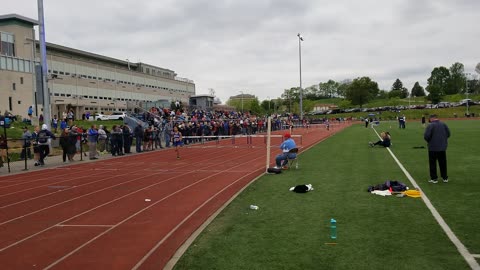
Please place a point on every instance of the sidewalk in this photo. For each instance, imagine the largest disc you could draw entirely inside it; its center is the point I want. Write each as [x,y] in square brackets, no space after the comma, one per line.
[18,166]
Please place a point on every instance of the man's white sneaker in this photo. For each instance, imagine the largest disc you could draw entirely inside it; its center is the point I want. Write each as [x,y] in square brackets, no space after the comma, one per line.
[445,180]
[433,181]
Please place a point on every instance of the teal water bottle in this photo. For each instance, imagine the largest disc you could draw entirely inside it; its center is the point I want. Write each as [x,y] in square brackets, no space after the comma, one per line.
[333,228]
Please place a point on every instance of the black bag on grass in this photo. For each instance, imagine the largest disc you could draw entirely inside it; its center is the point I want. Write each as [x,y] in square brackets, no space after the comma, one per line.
[274,170]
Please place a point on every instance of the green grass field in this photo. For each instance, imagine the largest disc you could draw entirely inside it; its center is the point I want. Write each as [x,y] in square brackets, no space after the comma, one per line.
[291,231]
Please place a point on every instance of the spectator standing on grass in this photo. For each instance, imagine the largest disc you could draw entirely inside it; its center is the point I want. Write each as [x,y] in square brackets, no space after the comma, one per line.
[30,112]
[366,122]
[138,133]
[127,139]
[64,144]
[3,150]
[288,144]
[168,132]
[36,151]
[116,141]
[92,142]
[55,124]
[72,143]
[63,124]
[26,143]
[423,120]
[437,134]
[102,138]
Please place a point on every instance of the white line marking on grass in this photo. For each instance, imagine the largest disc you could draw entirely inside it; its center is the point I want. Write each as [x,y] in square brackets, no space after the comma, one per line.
[476,255]
[460,246]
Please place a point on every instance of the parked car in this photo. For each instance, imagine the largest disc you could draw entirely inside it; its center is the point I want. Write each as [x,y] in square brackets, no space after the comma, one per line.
[116,116]
[98,117]
[444,105]
[466,101]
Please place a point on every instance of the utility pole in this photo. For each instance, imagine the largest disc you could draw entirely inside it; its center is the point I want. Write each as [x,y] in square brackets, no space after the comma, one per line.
[300,39]
[43,58]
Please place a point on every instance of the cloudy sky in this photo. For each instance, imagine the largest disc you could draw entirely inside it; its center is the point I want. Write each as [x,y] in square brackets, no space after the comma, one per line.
[252,46]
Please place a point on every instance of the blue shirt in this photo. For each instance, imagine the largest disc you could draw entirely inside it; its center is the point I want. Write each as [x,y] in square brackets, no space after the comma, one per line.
[287,145]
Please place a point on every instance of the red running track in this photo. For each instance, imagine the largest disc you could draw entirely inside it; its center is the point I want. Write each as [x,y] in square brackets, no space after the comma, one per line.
[130,212]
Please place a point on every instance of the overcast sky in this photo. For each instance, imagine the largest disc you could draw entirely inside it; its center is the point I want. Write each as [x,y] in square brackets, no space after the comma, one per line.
[252,46]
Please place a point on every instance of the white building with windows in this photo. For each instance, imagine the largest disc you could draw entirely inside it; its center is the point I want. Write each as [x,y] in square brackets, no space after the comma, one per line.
[80,80]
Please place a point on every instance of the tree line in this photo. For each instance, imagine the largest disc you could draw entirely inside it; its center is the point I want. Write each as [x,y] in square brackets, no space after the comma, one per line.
[442,81]
[359,91]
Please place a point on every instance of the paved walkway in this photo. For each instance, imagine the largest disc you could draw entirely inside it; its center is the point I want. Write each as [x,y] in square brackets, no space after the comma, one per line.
[18,166]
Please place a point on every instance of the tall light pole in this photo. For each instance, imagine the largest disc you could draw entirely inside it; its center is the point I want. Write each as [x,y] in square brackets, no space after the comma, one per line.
[43,58]
[466,90]
[300,39]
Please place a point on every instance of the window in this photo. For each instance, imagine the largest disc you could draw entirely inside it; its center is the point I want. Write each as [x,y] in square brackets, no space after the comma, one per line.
[3,63]
[19,102]
[21,80]
[7,44]
[9,63]
[14,86]
[21,65]
[10,104]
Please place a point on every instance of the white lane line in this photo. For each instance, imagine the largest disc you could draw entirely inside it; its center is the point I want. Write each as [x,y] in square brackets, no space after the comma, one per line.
[134,215]
[460,246]
[183,248]
[90,210]
[81,196]
[149,253]
[86,225]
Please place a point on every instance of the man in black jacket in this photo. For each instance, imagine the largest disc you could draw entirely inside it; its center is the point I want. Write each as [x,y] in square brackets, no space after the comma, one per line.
[43,144]
[138,133]
[437,134]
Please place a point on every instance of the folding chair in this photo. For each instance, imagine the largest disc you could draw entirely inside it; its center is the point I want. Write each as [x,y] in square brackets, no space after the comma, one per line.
[292,161]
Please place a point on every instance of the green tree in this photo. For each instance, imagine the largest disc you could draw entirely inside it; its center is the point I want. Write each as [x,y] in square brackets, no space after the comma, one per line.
[311,92]
[329,89]
[382,94]
[290,97]
[361,90]
[417,90]
[435,93]
[404,93]
[397,85]
[398,91]
[236,103]
[268,105]
[254,106]
[342,88]
[456,80]
[437,84]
